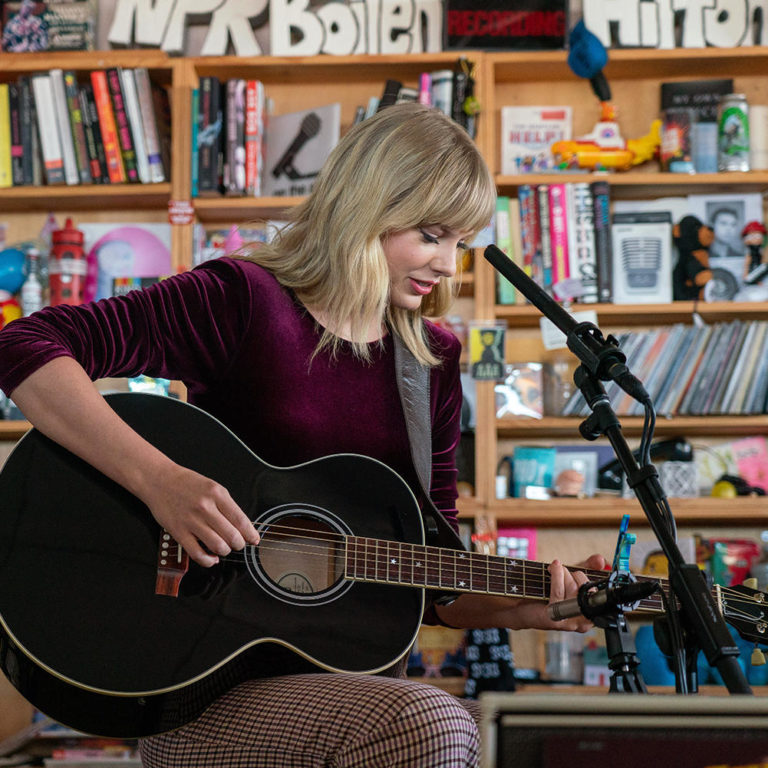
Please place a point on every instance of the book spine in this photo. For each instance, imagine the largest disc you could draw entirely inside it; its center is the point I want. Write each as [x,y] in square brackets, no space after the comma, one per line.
[149,125]
[558,229]
[72,93]
[460,81]
[195,129]
[209,136]
[234,168]
[17,147]
[108,127]
[53,162]
[96,171]
[441,91]
[528,224]
[161,103]
[603,241]
[584,265]
[544,226]
[389,94]
[64,127]
[99,157]
[6,170]
[505,293]
[29,144]
[124,137]
[254,136]
[131,100]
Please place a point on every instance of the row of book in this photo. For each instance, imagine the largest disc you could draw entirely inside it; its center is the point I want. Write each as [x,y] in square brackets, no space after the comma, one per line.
[560,235]
[241,149]
[696,370]
[111,127]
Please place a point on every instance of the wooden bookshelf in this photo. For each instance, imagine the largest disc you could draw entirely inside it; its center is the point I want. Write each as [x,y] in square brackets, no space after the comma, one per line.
[504,78]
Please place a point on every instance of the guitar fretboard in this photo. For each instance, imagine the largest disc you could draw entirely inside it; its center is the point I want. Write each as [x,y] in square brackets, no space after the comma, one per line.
[393,562]
[418,565]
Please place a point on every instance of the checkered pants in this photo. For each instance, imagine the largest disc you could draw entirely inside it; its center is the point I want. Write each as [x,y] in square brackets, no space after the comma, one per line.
[324,721]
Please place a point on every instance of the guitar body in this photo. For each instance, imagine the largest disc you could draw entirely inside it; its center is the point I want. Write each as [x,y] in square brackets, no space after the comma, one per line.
[86,639]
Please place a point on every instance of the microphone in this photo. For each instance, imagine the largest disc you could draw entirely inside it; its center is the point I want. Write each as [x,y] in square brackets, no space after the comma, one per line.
[591,604]
[602,357]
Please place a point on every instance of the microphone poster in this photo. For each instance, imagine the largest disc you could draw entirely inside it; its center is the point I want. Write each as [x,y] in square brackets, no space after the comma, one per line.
[297,144]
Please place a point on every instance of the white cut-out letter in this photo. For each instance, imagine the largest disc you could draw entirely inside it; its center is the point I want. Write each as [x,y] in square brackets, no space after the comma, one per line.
[725,25]
[342,31]
[173,42]
[396,33]
[598,15]
[233,19]
[286,16]
[151,20]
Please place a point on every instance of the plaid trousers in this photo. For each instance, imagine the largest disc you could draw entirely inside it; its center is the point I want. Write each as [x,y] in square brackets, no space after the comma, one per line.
[324,720]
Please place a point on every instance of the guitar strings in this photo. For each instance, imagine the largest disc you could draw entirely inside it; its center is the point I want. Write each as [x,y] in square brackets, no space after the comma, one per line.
[492,570]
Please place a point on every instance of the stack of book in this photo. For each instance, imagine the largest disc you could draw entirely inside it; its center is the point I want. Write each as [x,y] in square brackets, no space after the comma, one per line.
[108,127]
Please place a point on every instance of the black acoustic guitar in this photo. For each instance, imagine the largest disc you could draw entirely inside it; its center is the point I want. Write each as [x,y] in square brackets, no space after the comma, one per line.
[106,626]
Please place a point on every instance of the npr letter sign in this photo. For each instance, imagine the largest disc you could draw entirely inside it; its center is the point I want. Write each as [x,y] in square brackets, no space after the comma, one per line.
[339,27]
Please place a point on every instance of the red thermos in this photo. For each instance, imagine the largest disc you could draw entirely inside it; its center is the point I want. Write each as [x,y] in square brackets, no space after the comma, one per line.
[67,266]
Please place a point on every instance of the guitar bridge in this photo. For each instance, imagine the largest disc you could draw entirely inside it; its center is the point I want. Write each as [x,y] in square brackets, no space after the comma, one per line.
[172,564]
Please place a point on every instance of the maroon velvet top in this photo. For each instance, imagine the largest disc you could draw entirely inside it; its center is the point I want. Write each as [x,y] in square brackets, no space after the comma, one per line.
[242,344]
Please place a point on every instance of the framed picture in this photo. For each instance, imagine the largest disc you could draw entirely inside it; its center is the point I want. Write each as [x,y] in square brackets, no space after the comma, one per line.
[727,215]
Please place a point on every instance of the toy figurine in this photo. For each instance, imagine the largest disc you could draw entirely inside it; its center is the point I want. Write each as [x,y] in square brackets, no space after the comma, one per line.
[755,287]
[692,272]
[753,236]
[603,147]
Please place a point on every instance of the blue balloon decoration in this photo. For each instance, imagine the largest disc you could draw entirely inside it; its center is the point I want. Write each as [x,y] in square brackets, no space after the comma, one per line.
[587,57]
[12,262]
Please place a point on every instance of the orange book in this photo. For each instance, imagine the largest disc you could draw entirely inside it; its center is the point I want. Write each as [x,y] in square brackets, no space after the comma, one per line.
[108,127]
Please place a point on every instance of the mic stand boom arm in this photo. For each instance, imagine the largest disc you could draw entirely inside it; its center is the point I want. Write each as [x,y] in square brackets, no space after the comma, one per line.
[602,360]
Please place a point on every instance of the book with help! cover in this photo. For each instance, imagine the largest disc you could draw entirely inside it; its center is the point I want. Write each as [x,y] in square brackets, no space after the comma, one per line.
[296,146]
[527,133]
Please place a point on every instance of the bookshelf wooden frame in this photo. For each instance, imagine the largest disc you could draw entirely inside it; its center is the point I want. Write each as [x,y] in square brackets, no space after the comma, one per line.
[543,77]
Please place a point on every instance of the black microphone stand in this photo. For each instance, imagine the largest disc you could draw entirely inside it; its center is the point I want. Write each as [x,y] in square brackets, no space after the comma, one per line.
[602,360]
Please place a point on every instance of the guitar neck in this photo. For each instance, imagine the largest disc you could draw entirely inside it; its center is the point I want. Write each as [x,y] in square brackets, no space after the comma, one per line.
[418,565]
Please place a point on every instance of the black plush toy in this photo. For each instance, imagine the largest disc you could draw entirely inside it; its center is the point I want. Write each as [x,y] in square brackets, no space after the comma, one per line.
[691,273]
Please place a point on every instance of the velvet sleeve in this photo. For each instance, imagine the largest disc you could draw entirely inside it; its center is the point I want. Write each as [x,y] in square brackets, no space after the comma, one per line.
[186,327]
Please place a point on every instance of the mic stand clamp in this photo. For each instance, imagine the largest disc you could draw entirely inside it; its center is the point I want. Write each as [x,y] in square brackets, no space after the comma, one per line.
[622,653]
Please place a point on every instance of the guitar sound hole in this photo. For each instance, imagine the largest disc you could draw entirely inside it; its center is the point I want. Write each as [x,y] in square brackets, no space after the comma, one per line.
[301,555]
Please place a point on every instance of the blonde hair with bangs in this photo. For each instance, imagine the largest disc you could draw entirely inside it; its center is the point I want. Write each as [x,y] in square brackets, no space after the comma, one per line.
[407,166]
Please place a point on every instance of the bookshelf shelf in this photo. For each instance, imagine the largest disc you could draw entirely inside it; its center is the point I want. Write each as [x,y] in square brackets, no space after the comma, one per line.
[219,210]
[632,64]
[632,425]
[85,197]
[646,184]
[522,316]
[84,61]
[607,511]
